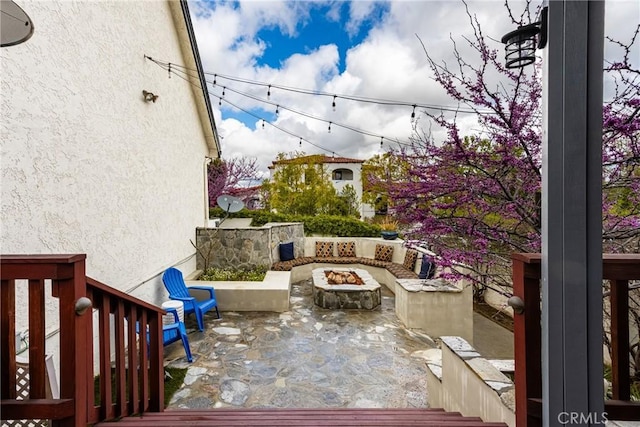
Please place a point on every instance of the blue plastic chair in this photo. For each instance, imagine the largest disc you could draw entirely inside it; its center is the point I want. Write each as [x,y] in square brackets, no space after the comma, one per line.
[173,332]
[178,290]
[176,331]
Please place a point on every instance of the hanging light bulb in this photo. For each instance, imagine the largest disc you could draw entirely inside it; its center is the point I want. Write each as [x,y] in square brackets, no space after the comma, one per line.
[329,127]
[277,110]
[269,92]
[300,141]
[219,101]
[262,123]
[169,69]
[215,78]
[413,113]
[381,140]
[223,89]
[333,105]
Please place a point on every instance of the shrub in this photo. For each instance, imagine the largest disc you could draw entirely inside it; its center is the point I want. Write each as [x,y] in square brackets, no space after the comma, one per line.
[224,274]
[330,225]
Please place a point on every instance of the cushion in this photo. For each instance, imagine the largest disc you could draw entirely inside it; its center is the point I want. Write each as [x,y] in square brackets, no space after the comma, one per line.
[410,259]
[286,251]
[428,268]
[383,252]
[324,249]
[347,249]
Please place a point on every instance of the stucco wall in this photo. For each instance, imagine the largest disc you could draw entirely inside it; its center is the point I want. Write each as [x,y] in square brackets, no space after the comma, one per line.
[87,165]
[366,210]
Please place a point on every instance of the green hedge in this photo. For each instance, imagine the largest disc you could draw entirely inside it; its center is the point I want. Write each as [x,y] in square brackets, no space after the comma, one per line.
[329,225]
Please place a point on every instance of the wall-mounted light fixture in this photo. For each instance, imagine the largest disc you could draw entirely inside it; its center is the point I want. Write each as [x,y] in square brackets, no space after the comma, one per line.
[520,49]
[149,97]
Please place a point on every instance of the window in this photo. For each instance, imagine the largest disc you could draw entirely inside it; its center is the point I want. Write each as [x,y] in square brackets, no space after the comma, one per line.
[342,175]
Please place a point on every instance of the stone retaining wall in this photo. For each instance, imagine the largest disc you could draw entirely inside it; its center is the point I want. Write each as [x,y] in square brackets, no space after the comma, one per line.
[246,247]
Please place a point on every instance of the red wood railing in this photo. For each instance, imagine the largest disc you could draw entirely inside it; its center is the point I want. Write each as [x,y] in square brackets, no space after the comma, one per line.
[131,376]
[618,270]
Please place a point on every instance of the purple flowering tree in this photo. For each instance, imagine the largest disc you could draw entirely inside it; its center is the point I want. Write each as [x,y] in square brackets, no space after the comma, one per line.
[224,175]
[474,196]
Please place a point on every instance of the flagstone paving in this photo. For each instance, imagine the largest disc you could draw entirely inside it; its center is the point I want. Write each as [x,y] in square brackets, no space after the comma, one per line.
[308,357]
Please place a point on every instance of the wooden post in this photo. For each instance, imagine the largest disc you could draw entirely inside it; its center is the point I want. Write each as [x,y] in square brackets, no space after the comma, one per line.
[8,333]
[620,340]
[527,338]
[74,383]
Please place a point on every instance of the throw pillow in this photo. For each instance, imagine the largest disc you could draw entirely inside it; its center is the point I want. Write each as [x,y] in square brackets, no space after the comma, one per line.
[428,268]
[410,259]
[347,249]
[383,252]
[324,249]
[286,251]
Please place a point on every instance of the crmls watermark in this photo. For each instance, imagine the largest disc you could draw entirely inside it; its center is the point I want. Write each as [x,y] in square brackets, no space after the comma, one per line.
[591,418]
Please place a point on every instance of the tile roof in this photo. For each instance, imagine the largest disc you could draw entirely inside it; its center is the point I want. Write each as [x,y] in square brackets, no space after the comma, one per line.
[319,158]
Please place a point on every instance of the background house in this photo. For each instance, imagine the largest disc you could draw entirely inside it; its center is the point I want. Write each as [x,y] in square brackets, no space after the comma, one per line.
[89,164]
[343,171]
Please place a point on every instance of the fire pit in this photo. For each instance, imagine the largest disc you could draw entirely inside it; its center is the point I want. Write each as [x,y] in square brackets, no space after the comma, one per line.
[343,278]
[345,288]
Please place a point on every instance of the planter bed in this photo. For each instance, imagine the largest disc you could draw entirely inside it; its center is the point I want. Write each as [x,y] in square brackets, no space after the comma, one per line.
[271,294]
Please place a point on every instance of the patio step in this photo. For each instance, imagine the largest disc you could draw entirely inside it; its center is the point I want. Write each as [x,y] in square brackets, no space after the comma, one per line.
[301,417]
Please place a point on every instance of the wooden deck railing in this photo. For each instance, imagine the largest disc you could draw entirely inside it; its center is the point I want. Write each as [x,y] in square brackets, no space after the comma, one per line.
[618,270]
[130,373]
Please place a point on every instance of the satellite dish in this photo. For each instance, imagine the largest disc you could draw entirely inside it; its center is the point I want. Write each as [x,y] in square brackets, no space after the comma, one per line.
[229,204]
[15,25]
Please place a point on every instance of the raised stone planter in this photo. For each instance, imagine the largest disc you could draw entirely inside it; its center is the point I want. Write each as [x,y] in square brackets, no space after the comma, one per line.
[336,297]
[272,294]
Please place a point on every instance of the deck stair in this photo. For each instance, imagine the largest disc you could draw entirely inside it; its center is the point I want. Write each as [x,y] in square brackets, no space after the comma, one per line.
[333,417]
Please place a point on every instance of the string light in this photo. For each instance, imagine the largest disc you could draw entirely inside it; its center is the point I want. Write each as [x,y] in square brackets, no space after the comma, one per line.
[381,140]
[223,89]
[300,141]
[186,78]
[348,97]
[413,113]
[333,105]
[215,78]
[277,110]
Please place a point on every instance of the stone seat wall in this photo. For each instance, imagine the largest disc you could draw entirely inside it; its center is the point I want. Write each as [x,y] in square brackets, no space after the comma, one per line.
[398,270]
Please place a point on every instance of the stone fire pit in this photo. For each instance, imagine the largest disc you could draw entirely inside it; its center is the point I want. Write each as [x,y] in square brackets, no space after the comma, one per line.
[366,296]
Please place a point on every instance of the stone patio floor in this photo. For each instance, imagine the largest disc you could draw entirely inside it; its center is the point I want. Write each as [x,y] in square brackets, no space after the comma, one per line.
[308,357]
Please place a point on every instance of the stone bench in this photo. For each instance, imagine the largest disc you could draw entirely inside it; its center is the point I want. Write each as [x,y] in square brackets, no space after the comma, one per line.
[399,271]
[361,254]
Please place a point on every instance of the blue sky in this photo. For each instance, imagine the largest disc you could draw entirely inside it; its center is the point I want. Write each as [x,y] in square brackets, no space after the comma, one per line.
[325,25]
[358,48]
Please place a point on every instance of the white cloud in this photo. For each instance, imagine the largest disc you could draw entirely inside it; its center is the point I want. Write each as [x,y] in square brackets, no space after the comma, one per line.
[390,63]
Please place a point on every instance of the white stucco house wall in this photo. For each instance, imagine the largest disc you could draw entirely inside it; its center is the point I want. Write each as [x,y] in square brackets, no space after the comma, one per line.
[88,164]
[343,171]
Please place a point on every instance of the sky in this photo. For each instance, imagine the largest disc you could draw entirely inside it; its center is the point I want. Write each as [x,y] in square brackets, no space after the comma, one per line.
[353,48]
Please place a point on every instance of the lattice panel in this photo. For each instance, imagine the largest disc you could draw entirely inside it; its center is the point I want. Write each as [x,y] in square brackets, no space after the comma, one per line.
[22,393]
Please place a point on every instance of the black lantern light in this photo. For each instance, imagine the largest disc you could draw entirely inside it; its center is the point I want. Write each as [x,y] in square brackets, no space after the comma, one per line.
[521,44]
